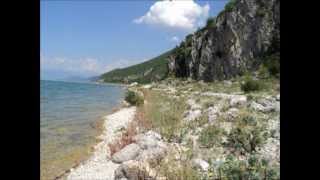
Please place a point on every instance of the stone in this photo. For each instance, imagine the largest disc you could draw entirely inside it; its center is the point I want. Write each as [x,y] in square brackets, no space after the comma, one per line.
[148,86]
[192,115]
[232,113]
[277,106]
[227,83]
[259,107]
[132,170]
[133,84]
[129,152]
[278,97]
[213,113]
[150,155]
[125,104]
[148,140]
[200,164]
[238,101]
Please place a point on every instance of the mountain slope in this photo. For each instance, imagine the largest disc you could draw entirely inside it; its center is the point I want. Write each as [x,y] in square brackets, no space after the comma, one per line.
[243,36]
[239,39]
[146,72]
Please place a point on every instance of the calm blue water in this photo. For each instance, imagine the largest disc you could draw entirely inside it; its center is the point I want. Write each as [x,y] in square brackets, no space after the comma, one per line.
[68,111]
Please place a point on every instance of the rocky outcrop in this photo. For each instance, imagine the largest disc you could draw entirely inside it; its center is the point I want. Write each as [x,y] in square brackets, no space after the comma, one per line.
[238,41]
[136,158]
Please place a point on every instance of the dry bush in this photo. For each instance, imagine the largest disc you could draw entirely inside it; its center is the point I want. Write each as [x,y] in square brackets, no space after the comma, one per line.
[141,119]
[125,139]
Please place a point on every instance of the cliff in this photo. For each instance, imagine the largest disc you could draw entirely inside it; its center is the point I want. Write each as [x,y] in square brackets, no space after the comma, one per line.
[239,39]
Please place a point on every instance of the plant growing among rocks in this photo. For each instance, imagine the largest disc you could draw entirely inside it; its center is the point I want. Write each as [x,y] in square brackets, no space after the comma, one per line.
[211,136]
[247,136]
[251,85]
[252,168]
[134,98]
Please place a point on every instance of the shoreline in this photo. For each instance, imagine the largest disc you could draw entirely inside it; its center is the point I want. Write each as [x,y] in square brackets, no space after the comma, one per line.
[119,116]
[99,126]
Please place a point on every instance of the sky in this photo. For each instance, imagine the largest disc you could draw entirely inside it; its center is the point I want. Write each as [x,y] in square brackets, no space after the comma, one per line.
[83,38]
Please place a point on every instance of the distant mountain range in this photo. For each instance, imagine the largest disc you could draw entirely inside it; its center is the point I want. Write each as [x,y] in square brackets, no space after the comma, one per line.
[76,79]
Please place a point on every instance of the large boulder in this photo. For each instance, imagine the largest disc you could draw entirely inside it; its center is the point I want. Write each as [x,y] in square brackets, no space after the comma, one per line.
[148,140]
[153,148]
[129,152]
[133,170]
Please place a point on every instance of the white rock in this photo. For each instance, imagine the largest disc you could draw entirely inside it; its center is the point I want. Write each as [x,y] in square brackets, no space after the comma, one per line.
[213,113]
[238,101]
[129,152]
[148,86]
[278,97]
[228,83]
[133,84]
[232,113]
[148,140]
[192,115]
[201,164]
[257,107]
[133,170]
[277,106]
[99,166]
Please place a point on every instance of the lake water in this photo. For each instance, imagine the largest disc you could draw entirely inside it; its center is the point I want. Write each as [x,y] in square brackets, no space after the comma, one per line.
[69,112]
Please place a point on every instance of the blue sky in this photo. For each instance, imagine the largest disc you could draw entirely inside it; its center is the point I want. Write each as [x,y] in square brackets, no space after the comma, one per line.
[87,38]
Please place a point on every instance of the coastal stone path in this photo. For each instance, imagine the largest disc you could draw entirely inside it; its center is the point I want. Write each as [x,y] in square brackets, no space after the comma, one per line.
[99,166]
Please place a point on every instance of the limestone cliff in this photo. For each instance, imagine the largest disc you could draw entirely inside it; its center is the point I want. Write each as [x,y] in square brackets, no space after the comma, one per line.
[235,41]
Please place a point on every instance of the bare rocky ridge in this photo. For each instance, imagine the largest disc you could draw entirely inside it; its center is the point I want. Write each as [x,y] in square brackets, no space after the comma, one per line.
[237,42]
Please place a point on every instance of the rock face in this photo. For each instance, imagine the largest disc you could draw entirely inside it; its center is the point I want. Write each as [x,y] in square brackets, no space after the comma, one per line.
[237,41]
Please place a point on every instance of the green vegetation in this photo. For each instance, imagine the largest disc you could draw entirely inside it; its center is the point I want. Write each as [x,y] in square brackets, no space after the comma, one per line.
[272,63]
[153,70]
[173,170]
[253,168]
[211,22]
[134,98]
[211,136]
[247,135]
[251,85]
[165,115]
[230,5]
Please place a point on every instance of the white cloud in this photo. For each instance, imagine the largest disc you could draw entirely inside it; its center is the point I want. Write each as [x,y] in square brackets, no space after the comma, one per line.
[175,39]
[177,14]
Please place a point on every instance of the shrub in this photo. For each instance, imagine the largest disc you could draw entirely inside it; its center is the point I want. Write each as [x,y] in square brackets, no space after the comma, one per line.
[251,85]
[247,135]
[211,22]
[134,98]
[263,72]
[272,63]
[253,168]
[230,5]
[125,139]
